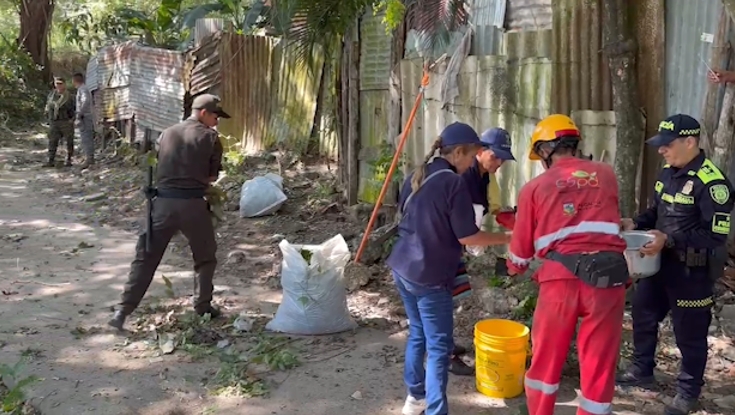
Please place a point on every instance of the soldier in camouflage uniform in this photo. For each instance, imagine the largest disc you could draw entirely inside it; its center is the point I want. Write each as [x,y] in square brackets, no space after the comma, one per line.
[60,108]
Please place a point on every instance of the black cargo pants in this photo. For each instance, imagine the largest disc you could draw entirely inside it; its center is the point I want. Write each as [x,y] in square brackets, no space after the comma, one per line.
[686,292]
[191,217]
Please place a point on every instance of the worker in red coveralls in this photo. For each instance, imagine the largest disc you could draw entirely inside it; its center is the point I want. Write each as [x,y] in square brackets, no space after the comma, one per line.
[569,217]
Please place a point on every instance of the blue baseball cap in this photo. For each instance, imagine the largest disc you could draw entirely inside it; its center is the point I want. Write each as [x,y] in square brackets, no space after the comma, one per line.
[459,133]
[676,126]
[498,140]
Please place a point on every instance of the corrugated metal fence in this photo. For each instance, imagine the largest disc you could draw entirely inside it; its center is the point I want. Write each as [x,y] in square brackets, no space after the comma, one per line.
[271,97]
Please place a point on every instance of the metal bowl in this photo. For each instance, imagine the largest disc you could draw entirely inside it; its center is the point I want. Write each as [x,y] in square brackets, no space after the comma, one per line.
[639,265]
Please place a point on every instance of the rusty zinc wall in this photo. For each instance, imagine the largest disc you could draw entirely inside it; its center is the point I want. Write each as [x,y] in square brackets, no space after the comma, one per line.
[113,71]
[239,70]
[270,96]
[157,90]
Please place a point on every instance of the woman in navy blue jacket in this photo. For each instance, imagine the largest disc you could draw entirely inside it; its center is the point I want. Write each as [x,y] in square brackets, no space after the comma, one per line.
[438,219]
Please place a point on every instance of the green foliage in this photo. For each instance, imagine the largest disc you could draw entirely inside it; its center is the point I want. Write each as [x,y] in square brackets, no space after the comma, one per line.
[381,164]
[13,398]
[394,11]
[22,92]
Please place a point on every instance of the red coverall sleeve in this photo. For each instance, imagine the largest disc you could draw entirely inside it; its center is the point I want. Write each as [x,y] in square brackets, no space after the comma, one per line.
[522,250]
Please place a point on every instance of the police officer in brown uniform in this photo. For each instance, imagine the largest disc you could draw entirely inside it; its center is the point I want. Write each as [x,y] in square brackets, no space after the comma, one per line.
[189,160]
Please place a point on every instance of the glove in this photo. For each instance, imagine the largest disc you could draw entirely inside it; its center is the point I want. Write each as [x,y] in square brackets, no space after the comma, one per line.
[506,219]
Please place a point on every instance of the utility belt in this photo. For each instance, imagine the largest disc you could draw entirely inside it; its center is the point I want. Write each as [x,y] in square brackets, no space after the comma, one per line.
[599,269]
[713,259]
[176,193]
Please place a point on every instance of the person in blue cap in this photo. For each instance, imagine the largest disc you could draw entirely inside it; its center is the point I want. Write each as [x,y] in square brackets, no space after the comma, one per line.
[437,220]
[690,220]
[479,178]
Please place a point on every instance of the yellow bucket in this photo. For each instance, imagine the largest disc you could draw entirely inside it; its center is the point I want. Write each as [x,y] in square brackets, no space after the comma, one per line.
[501,348]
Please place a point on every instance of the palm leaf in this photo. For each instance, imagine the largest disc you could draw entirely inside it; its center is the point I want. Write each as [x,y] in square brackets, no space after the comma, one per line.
[436,19]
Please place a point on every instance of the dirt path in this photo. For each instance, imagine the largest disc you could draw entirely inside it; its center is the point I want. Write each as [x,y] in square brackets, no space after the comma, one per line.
[60,277]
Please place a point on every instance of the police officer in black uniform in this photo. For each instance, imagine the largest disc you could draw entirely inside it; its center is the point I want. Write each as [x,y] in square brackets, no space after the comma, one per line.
[690,219]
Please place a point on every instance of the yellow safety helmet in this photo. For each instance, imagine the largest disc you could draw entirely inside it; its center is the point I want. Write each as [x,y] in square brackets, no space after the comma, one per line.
[552,128]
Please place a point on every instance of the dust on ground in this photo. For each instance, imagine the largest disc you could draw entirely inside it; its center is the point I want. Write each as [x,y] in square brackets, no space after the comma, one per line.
[66,240]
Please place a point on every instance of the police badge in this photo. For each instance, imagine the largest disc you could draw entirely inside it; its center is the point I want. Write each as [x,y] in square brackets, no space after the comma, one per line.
[687,187]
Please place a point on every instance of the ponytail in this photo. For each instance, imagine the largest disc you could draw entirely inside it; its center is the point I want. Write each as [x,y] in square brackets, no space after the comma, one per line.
[420,172]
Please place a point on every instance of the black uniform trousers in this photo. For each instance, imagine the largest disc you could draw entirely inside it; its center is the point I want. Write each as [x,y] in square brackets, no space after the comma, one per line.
[687,293]
[192,218]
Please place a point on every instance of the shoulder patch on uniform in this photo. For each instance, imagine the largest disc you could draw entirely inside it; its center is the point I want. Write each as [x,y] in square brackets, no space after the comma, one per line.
[720,193]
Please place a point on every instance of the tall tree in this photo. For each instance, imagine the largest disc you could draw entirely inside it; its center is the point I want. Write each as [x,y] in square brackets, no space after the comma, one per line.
[35,24]
[620,49]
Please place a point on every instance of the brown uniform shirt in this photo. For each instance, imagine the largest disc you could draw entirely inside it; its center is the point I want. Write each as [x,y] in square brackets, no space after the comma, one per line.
[189,153]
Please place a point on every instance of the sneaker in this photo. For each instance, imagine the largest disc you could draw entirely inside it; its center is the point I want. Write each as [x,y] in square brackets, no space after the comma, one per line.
[413,406]
[680,406]
[458,367]
[631,378]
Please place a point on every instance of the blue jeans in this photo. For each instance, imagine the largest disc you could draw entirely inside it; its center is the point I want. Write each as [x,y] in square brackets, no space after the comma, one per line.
[429,312]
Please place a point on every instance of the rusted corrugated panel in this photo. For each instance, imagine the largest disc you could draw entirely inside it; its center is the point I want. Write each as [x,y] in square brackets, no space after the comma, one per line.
[247,88]
[687,23]
[295,90]
[206,27]
[207,66]
[91,78]
[528,14]
[157,88]
[494,92]
[113,69]
[487,17]
[375,47]
[581,73]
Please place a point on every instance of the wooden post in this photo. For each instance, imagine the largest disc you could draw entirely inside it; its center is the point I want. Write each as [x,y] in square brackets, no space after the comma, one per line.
[353,116]
[620,48]
[719,59]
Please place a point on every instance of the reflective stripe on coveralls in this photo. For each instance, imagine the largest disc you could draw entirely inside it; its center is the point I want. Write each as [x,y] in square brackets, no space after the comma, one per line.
[545,241]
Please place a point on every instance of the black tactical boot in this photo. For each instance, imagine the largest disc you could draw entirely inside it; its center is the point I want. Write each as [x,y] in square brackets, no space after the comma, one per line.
[118,320]
[631,378]
[680,406]
[459,367]
[49,163]
[459,350]
[211,310]
[68,162]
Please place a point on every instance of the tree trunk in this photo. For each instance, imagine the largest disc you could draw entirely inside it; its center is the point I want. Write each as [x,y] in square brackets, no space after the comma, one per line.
[720,59]
[722,144]
[35,24]
[353,118]
[620,48]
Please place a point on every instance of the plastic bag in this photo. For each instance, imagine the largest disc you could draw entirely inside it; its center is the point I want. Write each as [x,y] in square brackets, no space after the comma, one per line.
[262,195]
[477,250]
[314,295]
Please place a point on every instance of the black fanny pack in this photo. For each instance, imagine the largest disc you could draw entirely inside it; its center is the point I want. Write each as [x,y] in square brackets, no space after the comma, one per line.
[600,270]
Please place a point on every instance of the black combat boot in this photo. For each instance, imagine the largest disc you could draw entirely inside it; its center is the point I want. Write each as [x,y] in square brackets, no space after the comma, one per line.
[459,350]
[118,320]
[458,367]
[49,163]
[631,377]
[680,406]
[68,162]
[213,311]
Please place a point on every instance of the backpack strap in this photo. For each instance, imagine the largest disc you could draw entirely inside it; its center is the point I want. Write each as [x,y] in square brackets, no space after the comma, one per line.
[429,177]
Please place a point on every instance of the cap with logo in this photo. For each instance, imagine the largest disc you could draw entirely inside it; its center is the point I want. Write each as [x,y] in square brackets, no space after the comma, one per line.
[498,140]
[59,80]
[459,133]
[210,103]
[676,126]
